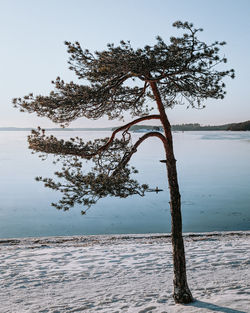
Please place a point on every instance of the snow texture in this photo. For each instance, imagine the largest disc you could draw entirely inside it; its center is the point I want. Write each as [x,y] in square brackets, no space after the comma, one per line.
[123,273]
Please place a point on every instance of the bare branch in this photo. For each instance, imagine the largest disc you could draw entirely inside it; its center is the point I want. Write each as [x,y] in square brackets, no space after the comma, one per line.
[126,158]
[126,127]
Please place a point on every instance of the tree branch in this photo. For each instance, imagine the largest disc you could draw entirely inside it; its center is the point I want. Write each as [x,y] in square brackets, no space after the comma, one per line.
[126,127]
[126,158]
[39,142]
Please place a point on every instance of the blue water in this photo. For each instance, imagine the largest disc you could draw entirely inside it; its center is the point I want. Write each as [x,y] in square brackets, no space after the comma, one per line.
[214,179]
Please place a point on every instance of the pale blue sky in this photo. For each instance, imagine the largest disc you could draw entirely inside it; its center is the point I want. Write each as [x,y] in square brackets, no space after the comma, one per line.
[32,51]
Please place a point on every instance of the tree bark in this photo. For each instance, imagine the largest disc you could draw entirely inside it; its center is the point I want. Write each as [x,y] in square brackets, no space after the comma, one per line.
[181,293]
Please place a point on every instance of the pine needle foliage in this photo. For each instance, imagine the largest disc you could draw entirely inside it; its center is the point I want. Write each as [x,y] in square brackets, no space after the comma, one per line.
[115,81]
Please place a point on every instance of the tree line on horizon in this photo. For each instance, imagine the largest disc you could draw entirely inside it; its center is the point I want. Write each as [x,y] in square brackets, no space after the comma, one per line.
[242,126]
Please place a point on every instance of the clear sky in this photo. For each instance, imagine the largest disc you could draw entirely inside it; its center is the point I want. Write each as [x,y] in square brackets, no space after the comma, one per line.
[32,52]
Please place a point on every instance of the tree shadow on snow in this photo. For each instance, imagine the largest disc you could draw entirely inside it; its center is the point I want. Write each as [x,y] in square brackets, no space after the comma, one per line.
[214,307]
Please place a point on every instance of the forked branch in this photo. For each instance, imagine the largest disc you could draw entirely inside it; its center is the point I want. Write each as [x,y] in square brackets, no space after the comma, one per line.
[127,156]
[126,128]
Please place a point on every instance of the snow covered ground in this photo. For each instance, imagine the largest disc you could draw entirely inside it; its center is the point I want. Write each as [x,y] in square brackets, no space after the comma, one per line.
[131,273]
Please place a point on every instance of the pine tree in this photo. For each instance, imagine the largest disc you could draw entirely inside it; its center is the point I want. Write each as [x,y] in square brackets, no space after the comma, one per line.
[117,80]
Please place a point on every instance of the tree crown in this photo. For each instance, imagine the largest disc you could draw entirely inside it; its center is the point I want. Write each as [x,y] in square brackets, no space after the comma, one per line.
[184,69]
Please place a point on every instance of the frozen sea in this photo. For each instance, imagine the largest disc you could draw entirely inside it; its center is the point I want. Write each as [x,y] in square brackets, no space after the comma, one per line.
[214,179]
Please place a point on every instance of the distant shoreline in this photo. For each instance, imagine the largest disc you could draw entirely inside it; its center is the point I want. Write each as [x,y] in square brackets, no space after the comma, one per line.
[243,126]
[54,129]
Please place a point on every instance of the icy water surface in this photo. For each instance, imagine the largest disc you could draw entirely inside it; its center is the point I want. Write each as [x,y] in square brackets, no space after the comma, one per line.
[214,178]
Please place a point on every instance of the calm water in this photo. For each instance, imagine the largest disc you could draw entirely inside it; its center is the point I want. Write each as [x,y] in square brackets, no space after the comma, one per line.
[214,178]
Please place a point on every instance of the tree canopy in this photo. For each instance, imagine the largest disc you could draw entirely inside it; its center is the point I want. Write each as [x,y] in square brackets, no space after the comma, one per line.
[117,80]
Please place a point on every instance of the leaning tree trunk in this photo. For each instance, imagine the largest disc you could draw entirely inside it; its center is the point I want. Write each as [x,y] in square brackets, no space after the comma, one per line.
[182,293]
